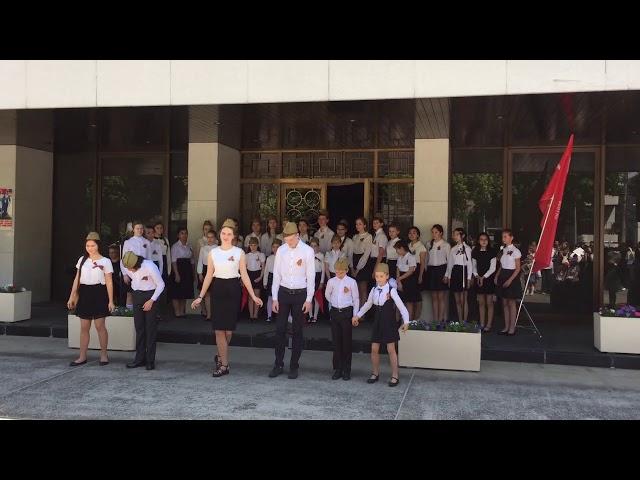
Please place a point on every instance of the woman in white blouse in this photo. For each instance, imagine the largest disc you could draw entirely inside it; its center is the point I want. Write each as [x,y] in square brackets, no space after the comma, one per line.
[201,268]
[437,260]
[460,272]
[271,233]
[92,297]
[228,265]
[181,286]
[380,240]
[419,251]
[364,257]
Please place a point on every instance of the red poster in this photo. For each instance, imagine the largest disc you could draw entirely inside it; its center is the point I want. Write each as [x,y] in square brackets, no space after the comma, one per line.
[6,208]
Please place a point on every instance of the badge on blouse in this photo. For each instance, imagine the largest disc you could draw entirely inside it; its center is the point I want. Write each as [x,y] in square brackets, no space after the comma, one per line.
[362,239]
[438,247]
[231,259]
[346,289]
[299,262]
[95,265]
[145,278]
[322,237]
[509,252]
[145,245]
[155,252]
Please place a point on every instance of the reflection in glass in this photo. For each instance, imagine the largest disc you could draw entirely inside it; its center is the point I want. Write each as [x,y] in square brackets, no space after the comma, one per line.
[569,277]
[622,227]
[178,186]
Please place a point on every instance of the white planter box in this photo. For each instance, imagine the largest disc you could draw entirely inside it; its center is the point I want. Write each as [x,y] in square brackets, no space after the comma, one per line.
[122,333]
[616,334]
[441,350]
[15,306]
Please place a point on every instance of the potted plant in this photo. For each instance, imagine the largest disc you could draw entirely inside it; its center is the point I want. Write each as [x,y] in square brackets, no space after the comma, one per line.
[122,331]
[15,303]
[617,330]
[445,346]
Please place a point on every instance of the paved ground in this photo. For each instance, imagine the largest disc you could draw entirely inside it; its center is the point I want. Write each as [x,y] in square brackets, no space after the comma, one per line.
[35,382]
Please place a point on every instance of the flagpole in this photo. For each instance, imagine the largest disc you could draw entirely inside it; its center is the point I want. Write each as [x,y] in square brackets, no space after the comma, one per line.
[544,225]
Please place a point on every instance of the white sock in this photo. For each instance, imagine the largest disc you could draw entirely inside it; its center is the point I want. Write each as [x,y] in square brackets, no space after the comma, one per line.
[269,306]
[316,307]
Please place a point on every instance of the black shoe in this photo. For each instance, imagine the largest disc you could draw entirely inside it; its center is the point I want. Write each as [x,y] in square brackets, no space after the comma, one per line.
[102,364]
[373,378]
[336,375]
[346,376]
[293,373]
[151,366]
[77,364]
[222,370]
[502,332]
[135,364]
[275,372]
[392,383]
[511,334]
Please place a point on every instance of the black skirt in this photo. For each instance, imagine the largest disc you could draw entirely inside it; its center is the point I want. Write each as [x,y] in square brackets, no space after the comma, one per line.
[488,286]
[364,275]
[253,274]
[435,274]
[184,289]
[226,296]
[204,275]
[458,278]
[93,302]
[393,264]
[318,278]
[513,291]
[410,292]
[385,327]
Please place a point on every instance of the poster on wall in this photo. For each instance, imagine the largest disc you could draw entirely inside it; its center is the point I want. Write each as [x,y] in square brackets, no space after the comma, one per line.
[6,208]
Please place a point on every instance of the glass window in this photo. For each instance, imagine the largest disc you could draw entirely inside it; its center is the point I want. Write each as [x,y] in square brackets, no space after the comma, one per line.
[178,188]
[476,192]
[622,226]
[395,204]
[258,200]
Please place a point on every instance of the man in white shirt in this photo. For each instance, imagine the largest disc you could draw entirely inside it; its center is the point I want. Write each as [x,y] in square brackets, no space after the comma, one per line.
[342,294]
[324,233]
[293,287]
[147,285]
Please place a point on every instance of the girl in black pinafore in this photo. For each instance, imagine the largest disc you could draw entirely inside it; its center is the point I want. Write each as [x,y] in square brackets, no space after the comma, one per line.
[484,270]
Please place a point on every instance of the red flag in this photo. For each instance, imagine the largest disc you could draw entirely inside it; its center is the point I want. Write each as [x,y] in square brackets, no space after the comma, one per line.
[319,298]
[245,298]
[550,204]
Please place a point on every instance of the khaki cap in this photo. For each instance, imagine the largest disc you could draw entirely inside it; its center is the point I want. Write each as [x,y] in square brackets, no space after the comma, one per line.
[228,223]
[382,267]
[341,264]
[289,229]
[93,236]
[129,260]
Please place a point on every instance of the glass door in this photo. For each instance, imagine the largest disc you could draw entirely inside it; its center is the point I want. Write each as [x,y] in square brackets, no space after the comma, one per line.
[567,285]
[131,188]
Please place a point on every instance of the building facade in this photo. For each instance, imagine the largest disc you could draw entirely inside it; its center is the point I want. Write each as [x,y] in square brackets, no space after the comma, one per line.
[92,145]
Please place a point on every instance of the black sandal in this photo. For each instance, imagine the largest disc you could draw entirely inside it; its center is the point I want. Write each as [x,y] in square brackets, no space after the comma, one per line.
[392,383]
[373,378]
[77,364]
[220,372]
[217,361]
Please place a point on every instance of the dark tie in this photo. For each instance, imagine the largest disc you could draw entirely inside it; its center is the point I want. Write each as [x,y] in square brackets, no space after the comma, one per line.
[379,293]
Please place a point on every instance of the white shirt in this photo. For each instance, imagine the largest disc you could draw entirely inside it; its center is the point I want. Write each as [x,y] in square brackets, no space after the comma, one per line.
[392,254]
[331,257]
[380,241]
[406,262]
[347,247]
[166,251]
[509,256]
[179,250]
[416,249]
[268,268]
[324,235]
[250,236]
[439,253]
[146,278]
[319,265]
[363,244]
[154,251]
[294,268]
[226,263]
[137,245]
[342,292]
[255,261]
[378,296]
[266,241]
[460,255]
[203,257]
[93,272]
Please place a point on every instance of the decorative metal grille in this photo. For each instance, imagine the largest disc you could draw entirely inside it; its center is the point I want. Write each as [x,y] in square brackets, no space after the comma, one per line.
[395,204]
[261,165]
[259,200]
[396,164]
[302,203]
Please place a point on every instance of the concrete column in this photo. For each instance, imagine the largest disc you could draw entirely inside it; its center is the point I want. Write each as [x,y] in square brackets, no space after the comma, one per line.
[26,166]
[431,194]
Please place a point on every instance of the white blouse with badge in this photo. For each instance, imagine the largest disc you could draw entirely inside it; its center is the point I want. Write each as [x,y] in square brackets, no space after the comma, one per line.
[363,245]
[392,254]
[93,272]
[226,263]
[380,241]
[439,253]
[416,249]
[509,256]
[406,262]
[255,261]
[180,250]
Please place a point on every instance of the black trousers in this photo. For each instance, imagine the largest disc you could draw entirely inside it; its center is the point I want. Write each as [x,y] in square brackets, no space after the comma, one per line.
[547,278]
[289,303]
[146,325]
[341,336]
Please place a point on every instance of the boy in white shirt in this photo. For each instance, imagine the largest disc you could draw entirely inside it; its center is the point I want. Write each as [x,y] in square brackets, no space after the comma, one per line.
[342,294]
